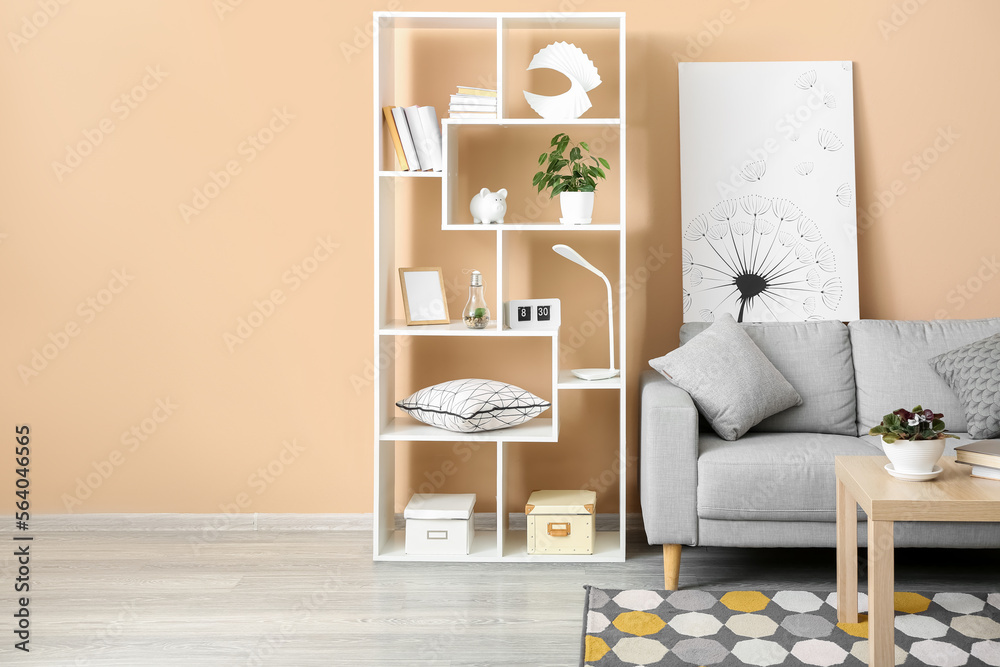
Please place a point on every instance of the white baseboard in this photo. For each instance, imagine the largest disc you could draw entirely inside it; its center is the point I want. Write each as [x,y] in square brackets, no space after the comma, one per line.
[71,523]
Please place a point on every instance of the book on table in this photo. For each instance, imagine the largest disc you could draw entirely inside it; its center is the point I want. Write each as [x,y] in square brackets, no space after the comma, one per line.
[980,453]
[985,472]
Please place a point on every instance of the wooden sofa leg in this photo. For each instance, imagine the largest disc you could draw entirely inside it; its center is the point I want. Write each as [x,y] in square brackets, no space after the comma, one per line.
[671,566]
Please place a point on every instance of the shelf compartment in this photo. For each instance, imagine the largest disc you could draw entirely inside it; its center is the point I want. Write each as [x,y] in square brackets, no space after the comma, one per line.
[407,429]
[569,381]
[458,328]
[416,64]
[484,548]
[608,547]
[478,155]
[601,38]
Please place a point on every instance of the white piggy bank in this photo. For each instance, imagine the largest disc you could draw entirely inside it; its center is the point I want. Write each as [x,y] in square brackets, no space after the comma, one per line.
[489,206]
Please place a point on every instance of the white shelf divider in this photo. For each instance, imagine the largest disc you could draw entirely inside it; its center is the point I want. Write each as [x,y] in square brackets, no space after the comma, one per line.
[458,328]
[407,429]
[484,548]
[608,546]
[569,381]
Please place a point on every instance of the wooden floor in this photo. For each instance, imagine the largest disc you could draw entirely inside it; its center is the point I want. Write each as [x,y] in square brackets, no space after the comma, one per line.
[316,598]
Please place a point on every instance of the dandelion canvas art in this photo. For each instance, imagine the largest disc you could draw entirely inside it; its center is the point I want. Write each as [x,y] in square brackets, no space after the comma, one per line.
[769,220]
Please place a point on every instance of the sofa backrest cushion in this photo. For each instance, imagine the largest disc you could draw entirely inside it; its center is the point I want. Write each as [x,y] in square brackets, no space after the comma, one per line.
[892,371]
[815,358]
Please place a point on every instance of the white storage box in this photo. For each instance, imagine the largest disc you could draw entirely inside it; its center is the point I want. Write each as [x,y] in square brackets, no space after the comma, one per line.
[439,523]
[561,522]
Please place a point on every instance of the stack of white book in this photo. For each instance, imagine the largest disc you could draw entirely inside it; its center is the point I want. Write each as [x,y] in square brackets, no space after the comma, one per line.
[416,136]
[983,456]
[473,103]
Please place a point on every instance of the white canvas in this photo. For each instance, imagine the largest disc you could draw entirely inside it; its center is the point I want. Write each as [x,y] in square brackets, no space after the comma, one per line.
[769,218]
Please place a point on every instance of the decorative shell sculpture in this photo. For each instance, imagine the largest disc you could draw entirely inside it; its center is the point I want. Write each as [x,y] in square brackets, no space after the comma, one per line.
[581,72]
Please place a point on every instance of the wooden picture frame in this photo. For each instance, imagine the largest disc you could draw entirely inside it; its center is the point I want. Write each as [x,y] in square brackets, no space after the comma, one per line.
[424,298]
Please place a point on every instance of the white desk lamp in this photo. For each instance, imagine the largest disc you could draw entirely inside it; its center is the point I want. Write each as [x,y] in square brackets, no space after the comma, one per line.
[594,373]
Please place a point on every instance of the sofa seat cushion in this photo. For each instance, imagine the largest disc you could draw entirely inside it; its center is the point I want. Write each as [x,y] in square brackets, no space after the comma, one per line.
[891,366]
[815,358]
[773,476]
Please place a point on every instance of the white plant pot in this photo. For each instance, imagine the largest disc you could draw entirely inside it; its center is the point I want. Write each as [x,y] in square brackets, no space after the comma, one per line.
[914,456]
[577,207]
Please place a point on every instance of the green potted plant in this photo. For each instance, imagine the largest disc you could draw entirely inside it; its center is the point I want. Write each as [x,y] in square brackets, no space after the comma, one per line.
[572,177]
[913,440]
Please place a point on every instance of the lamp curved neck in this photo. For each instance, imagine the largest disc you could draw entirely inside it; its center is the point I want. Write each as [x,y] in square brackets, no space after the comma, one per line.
[611,324]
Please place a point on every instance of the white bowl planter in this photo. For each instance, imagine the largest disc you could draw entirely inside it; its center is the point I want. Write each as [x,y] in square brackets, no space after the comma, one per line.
[914,456]
[577,207]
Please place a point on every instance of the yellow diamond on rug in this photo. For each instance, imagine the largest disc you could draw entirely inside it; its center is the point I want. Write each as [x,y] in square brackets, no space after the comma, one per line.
[859,629]
[745,601]
[596,648]
[910,603]
[639,623]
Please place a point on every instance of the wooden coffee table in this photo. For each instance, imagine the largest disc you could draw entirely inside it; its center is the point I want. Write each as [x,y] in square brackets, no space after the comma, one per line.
[862,480]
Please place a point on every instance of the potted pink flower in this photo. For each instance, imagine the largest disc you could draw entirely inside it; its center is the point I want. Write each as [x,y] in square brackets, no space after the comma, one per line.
[913,440]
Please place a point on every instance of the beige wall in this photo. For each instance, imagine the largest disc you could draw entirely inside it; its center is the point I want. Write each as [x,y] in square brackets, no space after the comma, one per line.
[162,95]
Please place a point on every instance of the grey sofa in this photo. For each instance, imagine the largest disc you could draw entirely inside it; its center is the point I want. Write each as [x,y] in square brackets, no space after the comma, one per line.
[775,486]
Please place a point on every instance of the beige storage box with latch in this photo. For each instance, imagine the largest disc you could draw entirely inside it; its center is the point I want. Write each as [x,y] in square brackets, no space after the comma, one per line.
[439,523]
[561,522]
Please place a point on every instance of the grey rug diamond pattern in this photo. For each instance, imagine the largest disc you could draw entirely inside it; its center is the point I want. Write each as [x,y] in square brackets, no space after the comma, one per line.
[644,627]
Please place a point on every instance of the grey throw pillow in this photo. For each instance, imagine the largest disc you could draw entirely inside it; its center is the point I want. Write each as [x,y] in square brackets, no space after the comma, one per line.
[729,378]
[973,372]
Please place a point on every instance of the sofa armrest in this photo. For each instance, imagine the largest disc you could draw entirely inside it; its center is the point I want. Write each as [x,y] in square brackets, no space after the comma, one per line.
[668,461]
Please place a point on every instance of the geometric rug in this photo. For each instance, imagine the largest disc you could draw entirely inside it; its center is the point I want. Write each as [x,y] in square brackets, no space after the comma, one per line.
[640,627]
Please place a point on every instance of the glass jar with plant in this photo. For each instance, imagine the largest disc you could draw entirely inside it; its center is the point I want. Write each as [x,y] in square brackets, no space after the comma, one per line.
[476,314]
[913,441]
[572,177]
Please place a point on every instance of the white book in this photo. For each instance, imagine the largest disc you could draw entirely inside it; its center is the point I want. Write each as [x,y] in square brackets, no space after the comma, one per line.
[431,127]
[472,107]
[405,138]
[468,115]
[474,99]
[420,141]
[987,472]
[483,92]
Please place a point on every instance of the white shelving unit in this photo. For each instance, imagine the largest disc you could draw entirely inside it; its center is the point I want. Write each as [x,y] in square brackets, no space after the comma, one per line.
[390,425]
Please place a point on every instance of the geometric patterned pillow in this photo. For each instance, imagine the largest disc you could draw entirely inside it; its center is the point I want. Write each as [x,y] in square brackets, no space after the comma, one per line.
[973,371]
[473,405]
